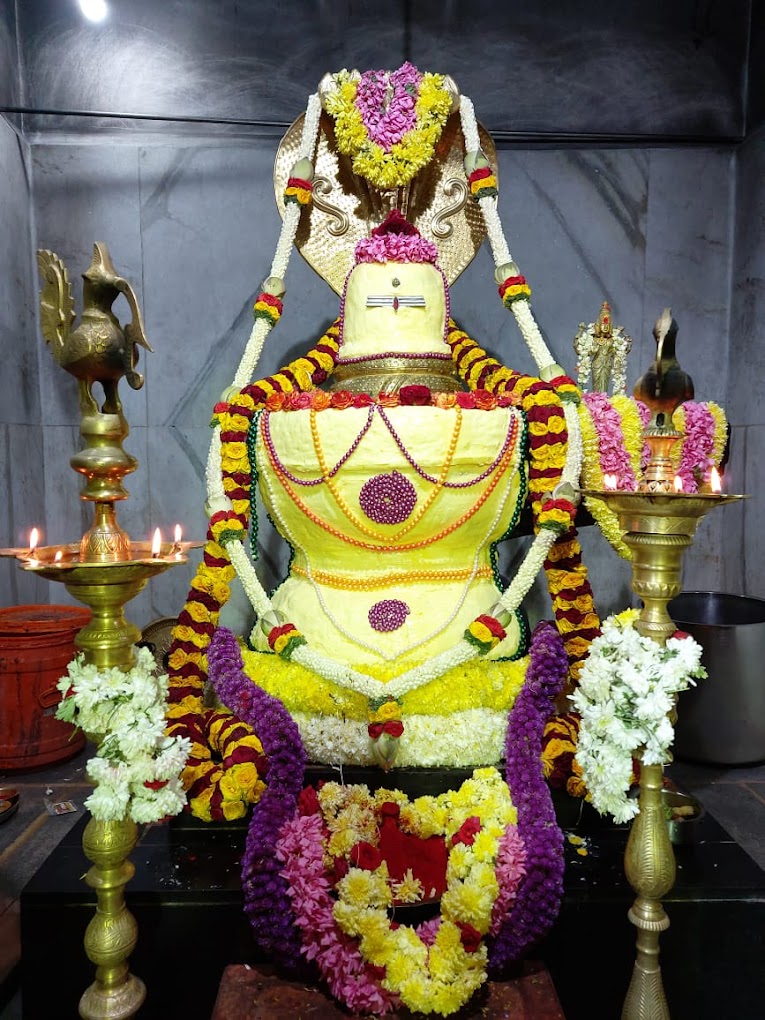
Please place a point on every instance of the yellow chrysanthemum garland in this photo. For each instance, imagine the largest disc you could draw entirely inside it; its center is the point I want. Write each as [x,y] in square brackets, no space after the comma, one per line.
[415,150]
[478,683]
[443,976]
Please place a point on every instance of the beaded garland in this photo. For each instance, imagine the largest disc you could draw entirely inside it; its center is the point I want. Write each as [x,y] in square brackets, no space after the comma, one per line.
[388,498]
[402,652]
[390,543]
[367,583]
[388,615]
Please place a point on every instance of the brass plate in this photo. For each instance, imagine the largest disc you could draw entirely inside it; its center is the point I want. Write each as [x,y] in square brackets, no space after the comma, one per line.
[157,636]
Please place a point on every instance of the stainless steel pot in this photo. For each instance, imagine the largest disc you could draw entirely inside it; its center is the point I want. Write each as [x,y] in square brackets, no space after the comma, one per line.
[722,720]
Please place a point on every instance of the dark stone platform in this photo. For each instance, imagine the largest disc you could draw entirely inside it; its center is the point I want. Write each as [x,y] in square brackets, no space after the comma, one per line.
[187,899]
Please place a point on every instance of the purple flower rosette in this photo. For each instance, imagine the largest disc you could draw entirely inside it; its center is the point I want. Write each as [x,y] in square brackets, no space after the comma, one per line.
[539,895]
[266,901]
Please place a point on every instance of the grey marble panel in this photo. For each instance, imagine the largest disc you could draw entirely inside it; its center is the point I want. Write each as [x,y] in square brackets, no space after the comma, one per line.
[176,474]
[755,109]
[647,67]
[753,549]
[21,508]
[747,401]
[575,224]
[9,67]
[687,257]
[19,390]
[637,68]
[734,518]
[209,228]
[84,194]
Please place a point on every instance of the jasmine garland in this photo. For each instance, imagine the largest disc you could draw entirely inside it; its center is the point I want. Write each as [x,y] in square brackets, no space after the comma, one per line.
[627,691]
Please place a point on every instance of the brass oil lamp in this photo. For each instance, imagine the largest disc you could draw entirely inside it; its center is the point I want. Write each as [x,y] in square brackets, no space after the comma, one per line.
[658,522]
[104,570]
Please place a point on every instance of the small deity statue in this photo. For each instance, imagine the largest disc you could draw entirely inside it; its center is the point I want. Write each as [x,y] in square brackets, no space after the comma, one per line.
[602,349]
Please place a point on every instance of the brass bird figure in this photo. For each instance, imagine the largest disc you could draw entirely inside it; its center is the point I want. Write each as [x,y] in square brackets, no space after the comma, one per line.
[665,385]
[99,349]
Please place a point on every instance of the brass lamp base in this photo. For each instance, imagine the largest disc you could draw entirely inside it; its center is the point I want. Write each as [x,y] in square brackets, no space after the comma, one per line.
[111,935]
[658,527]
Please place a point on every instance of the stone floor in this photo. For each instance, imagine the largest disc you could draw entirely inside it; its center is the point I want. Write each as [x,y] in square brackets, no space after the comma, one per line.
[734,797]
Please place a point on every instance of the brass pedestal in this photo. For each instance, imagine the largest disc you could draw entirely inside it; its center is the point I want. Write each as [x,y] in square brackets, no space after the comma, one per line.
[658,527]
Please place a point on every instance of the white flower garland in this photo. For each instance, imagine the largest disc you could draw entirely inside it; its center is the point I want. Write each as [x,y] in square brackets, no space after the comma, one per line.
[460,740]
[626,692]
[137,768]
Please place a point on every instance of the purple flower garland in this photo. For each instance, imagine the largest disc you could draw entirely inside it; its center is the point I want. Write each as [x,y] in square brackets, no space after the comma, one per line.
[266,901]
[538,899]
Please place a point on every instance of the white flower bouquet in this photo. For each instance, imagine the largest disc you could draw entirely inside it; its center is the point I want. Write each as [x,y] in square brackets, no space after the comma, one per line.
[137,766]
[626,693]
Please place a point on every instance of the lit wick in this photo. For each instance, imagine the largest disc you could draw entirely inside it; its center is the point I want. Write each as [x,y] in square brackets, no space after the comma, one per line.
[610,481]
[177,536]
[156,544]
[34,538]
[57,558]
[678,483]
[715,482]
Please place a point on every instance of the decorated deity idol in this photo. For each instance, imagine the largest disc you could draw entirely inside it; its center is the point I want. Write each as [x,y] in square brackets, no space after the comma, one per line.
[392,458]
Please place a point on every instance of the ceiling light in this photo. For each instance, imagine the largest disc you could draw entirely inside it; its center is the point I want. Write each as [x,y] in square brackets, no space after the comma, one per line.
[94,10]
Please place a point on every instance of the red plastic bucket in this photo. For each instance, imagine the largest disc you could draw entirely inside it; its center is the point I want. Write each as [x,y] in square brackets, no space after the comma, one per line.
[36,646]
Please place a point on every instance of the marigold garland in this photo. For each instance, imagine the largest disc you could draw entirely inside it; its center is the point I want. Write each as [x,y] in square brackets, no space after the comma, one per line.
[483,183]
[213,775]
[575,615]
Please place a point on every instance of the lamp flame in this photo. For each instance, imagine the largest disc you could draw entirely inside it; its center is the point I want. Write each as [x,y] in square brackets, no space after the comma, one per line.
[156,543]
[178,534]
[678,483]
[715,483]
[34,538]
[57,558]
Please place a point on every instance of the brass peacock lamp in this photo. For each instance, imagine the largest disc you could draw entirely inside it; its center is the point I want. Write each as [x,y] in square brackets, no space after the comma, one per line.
[658,523]
[104,570]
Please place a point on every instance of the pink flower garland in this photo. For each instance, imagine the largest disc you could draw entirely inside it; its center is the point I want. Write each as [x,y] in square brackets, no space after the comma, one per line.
[510,869]
[387,119]
[349,978]
[614,459]
[696,457]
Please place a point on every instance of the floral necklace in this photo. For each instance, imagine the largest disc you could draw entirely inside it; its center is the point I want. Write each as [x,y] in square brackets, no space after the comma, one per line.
[316,886]
[388,123]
